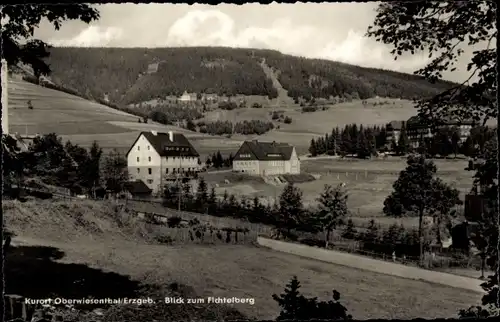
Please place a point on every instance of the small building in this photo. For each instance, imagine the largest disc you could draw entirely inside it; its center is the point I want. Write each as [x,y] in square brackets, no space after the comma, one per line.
[188,97]
[137,189]
[266,158]
[156,158]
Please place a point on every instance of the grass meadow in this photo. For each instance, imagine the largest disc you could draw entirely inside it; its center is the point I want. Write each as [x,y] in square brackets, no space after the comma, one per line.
[87,233]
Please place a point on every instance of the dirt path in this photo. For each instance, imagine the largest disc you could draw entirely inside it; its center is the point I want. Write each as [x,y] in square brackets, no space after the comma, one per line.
[373,265]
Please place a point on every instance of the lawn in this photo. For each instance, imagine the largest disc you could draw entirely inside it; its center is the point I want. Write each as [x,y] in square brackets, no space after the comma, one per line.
[225,270]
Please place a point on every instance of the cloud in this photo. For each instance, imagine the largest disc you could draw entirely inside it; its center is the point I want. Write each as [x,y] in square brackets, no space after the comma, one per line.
[215,28]
[92,36]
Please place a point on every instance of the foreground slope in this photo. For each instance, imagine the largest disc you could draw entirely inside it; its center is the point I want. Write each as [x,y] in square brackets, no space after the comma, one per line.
[132,75]
[81,229]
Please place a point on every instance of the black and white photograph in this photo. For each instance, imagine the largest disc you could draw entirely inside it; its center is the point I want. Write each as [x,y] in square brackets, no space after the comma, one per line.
[224,162]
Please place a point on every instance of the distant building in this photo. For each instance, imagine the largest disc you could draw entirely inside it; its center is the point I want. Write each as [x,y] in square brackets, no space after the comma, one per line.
[416,129]
[266,158]
[152,68]
[157,158]
[188,97]
[209,97]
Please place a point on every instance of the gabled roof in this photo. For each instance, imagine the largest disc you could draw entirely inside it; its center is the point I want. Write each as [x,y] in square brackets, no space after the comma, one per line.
[137,186]
[395,125]
[179,146]
[265,151]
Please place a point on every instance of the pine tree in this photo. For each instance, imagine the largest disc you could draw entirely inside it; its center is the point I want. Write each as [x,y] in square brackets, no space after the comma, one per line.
[362,146]
[312,148]
[290,208]
[201,195]
[403,142]
[349,230]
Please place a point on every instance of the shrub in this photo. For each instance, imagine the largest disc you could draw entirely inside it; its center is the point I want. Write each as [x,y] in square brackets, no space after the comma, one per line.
[288,120]
[174,222]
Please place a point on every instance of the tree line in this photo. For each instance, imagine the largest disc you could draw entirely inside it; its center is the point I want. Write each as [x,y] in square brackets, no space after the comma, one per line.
[67,165]
[429,196]
[217,161]
[123,72]
[353,139]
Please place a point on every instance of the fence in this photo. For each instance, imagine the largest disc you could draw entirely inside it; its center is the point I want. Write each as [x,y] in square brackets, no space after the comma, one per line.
[365,263]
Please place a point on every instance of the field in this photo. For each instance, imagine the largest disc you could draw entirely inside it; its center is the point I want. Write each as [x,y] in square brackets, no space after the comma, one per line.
[226,270]
[368,183]
[82,121]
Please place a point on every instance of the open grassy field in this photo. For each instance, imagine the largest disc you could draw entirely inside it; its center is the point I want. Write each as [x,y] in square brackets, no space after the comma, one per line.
[83,121]
[94,240]
[368,182]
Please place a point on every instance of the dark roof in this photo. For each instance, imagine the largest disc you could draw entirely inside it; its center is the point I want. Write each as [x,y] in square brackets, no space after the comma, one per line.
[138,186]
[395,125]
[265,151]
[180,146]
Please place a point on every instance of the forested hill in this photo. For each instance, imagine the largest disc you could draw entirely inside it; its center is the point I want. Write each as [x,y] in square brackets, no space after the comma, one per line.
[133,75]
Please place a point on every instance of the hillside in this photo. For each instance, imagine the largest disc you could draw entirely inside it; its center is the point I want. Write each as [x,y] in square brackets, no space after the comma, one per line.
[97,248]
[83,121]
[133,75]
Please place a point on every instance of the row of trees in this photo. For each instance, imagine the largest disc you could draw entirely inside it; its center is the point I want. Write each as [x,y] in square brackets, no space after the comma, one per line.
[82,171]
[351,140]
[257,127]
[217,161]
[417,192]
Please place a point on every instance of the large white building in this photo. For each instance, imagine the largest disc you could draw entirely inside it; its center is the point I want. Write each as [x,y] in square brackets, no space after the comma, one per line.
[155,158]
[266,158]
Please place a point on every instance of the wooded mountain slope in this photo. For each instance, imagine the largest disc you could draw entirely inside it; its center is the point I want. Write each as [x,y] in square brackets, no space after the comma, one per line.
[133,75]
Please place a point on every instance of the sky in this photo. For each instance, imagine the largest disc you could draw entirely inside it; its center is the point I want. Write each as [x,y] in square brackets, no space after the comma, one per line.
[333,31]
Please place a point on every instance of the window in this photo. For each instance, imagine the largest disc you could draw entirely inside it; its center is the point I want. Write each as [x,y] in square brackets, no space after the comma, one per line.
[166,170]
[150,181]
[138,148]
[138,159]
[149,147]
[149,171]
[138,170]
[149,159]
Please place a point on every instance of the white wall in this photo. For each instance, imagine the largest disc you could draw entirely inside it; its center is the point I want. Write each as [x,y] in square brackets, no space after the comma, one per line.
[185,163]
[143,150]
[248,166]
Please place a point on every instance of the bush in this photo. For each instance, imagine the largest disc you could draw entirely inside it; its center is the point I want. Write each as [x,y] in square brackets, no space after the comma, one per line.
[174,222]
[295,306]
[288,120]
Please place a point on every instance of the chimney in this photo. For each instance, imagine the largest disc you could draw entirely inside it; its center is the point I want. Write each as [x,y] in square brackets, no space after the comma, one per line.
[5,100]
[171,136]
[154,133]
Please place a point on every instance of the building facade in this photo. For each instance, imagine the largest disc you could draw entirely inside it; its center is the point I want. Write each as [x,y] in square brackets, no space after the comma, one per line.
[417,130]
[156,158]
[266,158]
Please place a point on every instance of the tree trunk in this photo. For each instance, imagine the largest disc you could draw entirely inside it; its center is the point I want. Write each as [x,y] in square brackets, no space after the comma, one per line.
[327,238]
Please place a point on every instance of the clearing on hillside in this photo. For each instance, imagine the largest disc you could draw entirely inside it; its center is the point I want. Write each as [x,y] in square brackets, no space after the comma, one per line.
[226,270]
